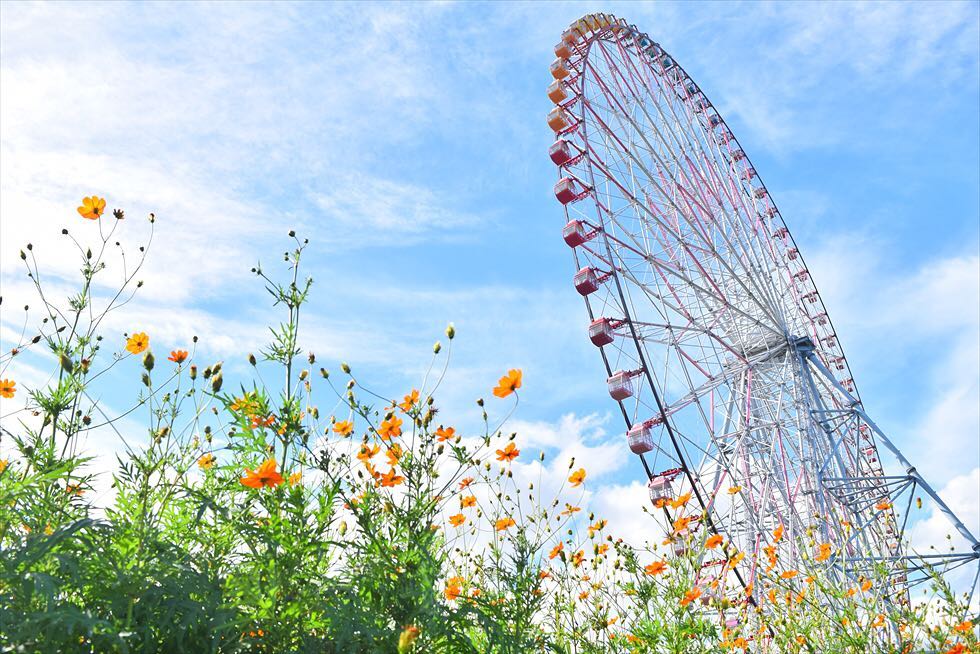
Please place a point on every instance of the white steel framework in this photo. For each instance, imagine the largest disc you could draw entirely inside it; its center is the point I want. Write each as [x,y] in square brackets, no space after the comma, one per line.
[718,347]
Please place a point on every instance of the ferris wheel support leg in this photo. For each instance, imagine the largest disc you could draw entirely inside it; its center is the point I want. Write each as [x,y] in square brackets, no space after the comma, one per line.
[912,473]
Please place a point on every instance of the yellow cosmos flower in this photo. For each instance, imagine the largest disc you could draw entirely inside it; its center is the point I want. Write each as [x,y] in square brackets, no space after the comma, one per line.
[7,388]
[137,343]
[504,523]
[343,427]
[92,208]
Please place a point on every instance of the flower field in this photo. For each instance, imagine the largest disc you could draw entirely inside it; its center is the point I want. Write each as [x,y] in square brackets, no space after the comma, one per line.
[294,509]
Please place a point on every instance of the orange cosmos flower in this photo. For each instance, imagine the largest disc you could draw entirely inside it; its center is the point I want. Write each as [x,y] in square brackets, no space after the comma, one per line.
[178,356]
[556,550]
[578,558]
[964,627]
[390,479]
[366,453]
[266,475]
[295,478]
[445,434]
[508,383]
[394,453]
[884,505]
[825,551]
[690,596]
[451,592]
[866,586]
[958,648]
[390,427]
[777,533]
[137,343]
[655,568]
[343,427]
[257,421]
[598,526]
[681,524]
[465,483]
[734,489]
[583,594]
[409,401]
[577,477]
[3,464]
[74,489]
[7,388]
[680,501]
[467,501]
[789,574]
[714,541]
[544,574]
[602,549]
[92,207]
[509,453]
[736,559]
[207,461]
[505,523]
[457,520]
[569,509]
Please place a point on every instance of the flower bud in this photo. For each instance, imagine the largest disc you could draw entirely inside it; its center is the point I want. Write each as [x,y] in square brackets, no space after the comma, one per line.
[148,360]
[66,362]
[406,641]
[345,367]
[251,358]
[216,383]
[437,347]
[146,379]
[324,373]
[193,372]
[311,358]
[451,331]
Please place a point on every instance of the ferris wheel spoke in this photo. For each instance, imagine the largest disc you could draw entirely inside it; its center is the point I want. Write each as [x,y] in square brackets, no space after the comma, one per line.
[700,172]
[722,261]
[720,298]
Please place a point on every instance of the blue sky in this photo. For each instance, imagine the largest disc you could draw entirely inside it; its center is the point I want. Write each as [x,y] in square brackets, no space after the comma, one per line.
[408,142]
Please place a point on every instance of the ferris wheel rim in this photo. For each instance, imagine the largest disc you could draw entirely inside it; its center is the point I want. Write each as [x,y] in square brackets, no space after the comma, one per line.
[585,153]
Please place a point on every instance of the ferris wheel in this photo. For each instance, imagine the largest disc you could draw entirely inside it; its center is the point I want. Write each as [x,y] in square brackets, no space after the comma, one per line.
[717,346]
